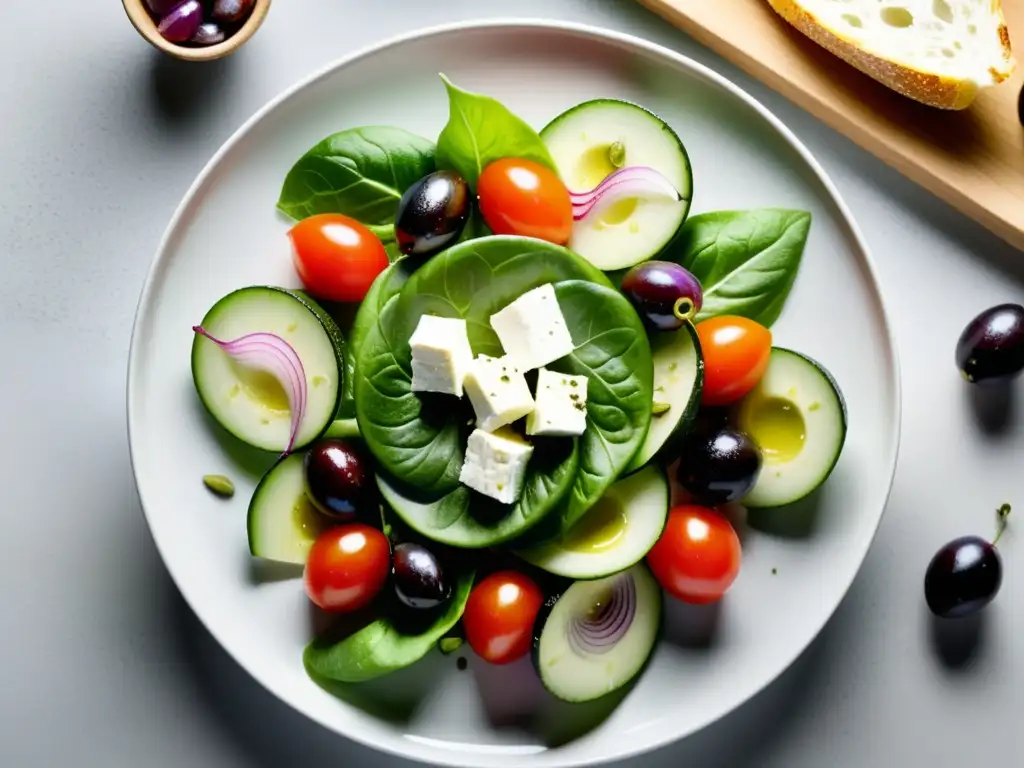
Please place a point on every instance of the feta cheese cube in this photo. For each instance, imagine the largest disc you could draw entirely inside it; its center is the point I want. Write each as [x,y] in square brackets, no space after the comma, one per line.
[441,355]
[532,329]
[498,391]
[495,464]
[561,405]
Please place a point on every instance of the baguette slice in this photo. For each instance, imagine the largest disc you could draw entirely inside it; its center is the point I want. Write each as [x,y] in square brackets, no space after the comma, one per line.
[938,52]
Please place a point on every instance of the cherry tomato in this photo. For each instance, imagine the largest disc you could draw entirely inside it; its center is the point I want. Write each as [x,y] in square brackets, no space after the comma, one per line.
[499,616]
[736,352]
[347,566]
[521,197]
[698,555]
[337,258]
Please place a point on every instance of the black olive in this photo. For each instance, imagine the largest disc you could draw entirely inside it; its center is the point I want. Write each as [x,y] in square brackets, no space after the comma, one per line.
[718,465]
[432,213]
[664,294]
[339,480]
[419,578]
[991,347]
[962,577]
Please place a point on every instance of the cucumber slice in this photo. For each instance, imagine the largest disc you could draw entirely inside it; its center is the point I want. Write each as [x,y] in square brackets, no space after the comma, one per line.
[614,534]
[598,635]
[593,139]
[797,416]
[251,405]
[282,523]
[678,383]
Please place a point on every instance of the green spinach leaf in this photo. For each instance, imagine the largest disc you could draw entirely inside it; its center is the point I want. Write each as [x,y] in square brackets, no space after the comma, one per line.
[421,439]
[379,648]
[481,130]
[426,452]
[387,285]
[746,261]
[613,352]
[361,172]
[467,519]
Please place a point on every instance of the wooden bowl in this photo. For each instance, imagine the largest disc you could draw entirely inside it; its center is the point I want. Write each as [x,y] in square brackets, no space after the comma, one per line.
[138,13]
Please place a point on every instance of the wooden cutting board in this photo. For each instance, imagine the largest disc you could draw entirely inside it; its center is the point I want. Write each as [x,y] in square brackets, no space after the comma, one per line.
[973,159]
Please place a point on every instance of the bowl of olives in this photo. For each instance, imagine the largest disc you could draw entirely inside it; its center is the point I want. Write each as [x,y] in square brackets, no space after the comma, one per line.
[197,30]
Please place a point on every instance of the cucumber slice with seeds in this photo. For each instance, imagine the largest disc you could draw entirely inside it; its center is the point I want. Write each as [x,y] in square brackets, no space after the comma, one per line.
[614,534]
[797,416]
[282,523]
[598,635]
[594,139]
[251,404]
[678,383]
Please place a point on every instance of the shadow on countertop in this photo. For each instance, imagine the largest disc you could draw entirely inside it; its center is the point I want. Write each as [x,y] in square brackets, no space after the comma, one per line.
[183,91]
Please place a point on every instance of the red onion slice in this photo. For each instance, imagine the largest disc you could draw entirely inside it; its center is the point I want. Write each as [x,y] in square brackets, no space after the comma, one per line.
[590,636]
[638,181]
[271,354]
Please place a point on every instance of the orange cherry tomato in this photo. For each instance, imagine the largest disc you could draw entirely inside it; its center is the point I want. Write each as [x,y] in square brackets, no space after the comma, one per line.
[698,555]
[521,197]
[500,614]
[736,353]
[346,567]
[337,258]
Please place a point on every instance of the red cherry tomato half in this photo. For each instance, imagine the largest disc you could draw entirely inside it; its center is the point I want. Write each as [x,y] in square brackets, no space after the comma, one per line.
[698,555]
[499,616]
[521,197]
[337,258]
[347,566]
[736,353]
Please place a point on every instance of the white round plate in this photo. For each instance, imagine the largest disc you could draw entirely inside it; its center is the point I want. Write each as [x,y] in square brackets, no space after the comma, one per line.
[796,567]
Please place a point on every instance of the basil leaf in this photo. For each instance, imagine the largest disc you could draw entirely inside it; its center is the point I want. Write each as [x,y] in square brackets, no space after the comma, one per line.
[421,439]
[746,261]
[361,172]
[613,352]
[379,648]
[481,130]
[467,519]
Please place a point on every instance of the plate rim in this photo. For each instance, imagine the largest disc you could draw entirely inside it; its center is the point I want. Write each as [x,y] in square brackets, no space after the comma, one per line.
[419,751]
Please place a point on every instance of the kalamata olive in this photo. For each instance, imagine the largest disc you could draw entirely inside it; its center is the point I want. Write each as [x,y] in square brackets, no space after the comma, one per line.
[991,347]
[718,465]
[181,22]
[160,8]
[419,578]
[339,481]
[432,213]
[231,11]
[664,294]
[208,34]
[962,577]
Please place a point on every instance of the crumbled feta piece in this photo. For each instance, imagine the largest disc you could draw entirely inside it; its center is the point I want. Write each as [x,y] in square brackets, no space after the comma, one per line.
[532,329]
[441,355]
[495,464]
[561,405]
[498,391]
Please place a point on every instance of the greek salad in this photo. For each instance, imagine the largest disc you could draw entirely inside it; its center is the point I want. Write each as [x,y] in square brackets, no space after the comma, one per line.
[511,353]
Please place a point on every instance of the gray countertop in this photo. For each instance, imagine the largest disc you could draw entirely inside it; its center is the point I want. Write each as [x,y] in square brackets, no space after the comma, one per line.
[103,663]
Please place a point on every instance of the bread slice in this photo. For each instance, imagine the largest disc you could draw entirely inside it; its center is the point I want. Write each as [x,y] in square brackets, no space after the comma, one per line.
[939,52]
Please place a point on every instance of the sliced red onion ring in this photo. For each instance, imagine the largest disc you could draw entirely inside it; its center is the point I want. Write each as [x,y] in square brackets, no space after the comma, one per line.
[270,353]
[638,181]
[589,636]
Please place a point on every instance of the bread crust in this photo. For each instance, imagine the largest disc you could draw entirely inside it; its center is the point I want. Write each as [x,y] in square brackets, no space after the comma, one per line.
[939,91]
